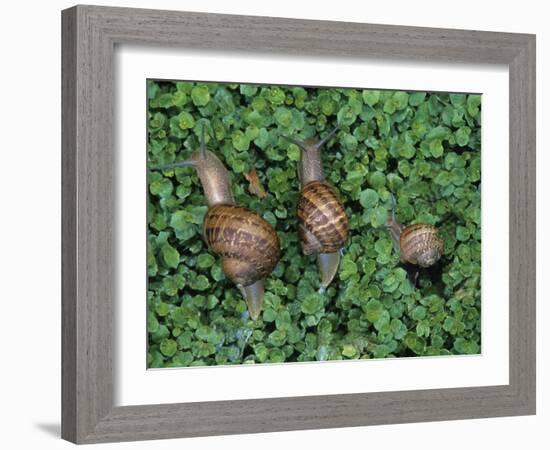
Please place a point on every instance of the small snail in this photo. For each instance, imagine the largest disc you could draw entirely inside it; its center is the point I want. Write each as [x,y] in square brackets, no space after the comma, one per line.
[248,245]
[323,224]
[417,244]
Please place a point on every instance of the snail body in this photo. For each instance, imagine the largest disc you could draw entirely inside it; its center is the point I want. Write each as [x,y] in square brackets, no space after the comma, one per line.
[248,244]
[323,224]
[418,244]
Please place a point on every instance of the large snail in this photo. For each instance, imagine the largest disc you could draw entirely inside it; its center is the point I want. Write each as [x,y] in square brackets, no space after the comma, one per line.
[418,244]
[248,245]
[323,224]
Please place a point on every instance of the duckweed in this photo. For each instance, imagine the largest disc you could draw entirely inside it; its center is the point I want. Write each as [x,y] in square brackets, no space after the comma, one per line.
[422,147]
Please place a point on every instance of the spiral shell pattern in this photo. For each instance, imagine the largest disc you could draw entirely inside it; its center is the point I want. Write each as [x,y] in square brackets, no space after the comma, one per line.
[248,245]
[421,245]
[323,222]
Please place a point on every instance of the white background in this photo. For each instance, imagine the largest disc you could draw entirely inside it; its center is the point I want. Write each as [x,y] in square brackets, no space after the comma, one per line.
[30,225]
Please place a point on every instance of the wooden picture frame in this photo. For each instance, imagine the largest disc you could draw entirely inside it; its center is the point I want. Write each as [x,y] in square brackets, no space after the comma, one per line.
[90,34]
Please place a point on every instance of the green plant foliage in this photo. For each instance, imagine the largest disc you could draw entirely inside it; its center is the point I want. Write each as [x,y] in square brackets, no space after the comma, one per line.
[422,147]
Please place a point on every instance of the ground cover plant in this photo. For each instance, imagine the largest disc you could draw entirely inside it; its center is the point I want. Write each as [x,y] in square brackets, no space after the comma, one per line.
[422,147]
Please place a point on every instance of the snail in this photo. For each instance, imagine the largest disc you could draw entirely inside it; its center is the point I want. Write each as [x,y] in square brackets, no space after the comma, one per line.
[248,244]
[323,224]
[417,244]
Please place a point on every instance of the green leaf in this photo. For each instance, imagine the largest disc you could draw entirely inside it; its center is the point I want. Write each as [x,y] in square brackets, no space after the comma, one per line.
[165,100]
[200,95]
[199,283]
[423,329]
[473,103]
[457,100]
[462,136]
[400,100]
[240,141]
[269,315]
[327,104]
[168,347]
[462,233]
[152,324]
[368,198]
[205,260]
[374,310]
[379,216]
[407,150]
[283,320]
[438,132]
[390,283]
[346,116]
[312,303]
[417,98]
[261,352]
[436,148]
[152,89]
[197,214]
[277,338]
[170,255]
[443,179]
[283,116]
[348,268]
[182,359]
[382,324]
[416,343]
[178,221]
[162,309]
[224,100]
[463,346]
[398,328]
[419,313]
[211,301]
[293,152]
[248,90]
[162,188]
[458,177]
[185,120]
[389,106]
[377,180]
[276,355]
[371,97]
[349,351]
[276,95]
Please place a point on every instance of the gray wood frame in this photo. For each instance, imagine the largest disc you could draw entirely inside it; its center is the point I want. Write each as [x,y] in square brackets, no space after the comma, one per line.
[89,36]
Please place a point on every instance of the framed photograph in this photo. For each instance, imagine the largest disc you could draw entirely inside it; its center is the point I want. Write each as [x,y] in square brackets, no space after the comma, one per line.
[278,224]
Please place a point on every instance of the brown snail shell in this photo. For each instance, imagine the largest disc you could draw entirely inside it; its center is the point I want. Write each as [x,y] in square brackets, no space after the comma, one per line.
[323,224]
[248,245]
[420,244]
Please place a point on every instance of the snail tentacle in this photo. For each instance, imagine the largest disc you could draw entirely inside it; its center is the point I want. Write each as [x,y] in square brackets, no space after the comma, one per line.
[394,226]
[189,163]
[328,136]
[297,142]
[203,145]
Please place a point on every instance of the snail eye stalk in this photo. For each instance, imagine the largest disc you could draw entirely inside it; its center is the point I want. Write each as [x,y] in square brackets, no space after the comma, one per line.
[176,164]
